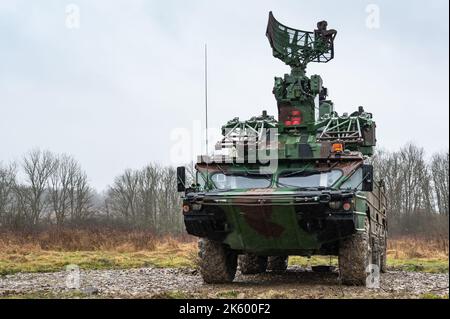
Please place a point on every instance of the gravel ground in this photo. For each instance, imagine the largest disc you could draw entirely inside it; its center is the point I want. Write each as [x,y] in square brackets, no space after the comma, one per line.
[164,282]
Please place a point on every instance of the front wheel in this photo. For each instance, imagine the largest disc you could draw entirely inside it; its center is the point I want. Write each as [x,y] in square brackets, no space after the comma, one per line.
[355,255]
[218,263]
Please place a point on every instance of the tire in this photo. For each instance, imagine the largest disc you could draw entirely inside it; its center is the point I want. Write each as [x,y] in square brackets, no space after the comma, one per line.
[252,264]
[217,262]
[277,263]
[355,255]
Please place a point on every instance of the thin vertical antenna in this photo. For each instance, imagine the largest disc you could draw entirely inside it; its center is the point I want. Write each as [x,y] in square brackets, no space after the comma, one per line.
[206,97]
[206,112]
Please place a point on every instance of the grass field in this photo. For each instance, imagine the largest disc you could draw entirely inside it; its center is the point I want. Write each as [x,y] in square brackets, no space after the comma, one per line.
[50,252]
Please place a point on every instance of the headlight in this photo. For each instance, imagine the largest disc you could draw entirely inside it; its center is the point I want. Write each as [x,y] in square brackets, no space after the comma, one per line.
[186,208]
[347,206]
[196,206]
[335,205]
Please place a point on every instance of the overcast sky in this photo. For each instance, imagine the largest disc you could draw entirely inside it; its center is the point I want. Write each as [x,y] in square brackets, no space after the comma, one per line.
[111,91]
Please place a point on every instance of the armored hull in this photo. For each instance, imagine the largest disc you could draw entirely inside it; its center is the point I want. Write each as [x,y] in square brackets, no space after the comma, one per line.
[298,185]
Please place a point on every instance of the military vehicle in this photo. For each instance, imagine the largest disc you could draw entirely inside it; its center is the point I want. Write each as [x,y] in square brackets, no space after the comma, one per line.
[313,194]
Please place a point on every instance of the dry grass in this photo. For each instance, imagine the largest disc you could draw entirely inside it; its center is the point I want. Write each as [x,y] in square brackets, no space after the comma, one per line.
[102,249]
[415,247]
[419,254]
[89,240]
[93,249]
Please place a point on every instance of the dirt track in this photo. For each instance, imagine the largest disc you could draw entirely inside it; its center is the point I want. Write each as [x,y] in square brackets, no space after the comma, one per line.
[165,282]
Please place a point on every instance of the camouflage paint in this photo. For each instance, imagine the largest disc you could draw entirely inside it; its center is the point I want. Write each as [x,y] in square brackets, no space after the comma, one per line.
[264,220]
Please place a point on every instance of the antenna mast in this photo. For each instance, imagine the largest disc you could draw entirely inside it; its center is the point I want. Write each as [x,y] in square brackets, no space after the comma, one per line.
[206,112]
[206,97]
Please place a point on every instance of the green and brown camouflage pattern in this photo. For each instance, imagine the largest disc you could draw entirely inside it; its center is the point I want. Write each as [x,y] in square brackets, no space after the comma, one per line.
[271,221]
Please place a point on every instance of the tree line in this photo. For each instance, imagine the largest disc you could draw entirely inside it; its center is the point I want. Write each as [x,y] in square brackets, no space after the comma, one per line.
[46,189]
[417,189]
[53,190]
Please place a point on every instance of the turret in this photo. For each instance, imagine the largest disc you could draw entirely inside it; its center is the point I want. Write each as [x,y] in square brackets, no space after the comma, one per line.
[301,134]
[296,93]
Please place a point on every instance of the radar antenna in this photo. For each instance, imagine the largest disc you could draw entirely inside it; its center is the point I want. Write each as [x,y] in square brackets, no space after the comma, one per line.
[297,48]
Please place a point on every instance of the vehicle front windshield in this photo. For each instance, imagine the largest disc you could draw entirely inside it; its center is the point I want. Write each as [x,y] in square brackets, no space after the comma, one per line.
[237,181]
[309,179]
[354,181]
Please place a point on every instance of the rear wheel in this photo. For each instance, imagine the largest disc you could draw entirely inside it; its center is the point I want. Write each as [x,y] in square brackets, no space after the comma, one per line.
[217,262]
[355,255]
[277,263]
[383,258]
[379,250]
[252,264]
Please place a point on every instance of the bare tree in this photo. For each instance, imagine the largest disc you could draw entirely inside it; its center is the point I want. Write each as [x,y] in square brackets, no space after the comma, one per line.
[147,188]
[80,197]
[7,188]
[169,202]
[123,195]
[410,190]
[69,191]
[389,169]
[59,187]
[38,166]
[147,198]
[415,180]
[440,173]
